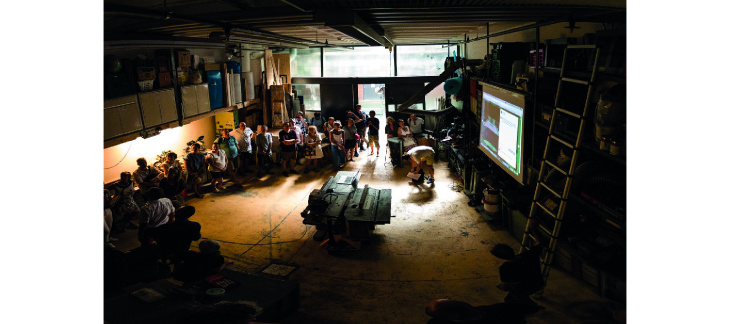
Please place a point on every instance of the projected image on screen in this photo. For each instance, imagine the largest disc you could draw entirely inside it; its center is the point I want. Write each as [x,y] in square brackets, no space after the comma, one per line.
[501,129]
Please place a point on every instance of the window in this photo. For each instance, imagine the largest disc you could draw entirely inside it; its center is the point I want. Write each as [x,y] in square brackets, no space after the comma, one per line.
[310,94]
[305,62]
[419,60]
[357,62]
[433,97]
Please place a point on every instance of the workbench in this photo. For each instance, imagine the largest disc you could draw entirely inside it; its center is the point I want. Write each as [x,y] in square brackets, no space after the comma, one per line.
[347,213]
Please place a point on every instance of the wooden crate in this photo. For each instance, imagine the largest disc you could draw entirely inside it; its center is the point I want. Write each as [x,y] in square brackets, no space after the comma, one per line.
[277,93]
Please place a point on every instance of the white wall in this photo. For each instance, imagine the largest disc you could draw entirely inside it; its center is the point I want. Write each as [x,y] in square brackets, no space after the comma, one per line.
[123,157]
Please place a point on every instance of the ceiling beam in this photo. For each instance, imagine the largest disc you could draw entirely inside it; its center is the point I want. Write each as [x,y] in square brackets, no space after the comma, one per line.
[350,24]
[227,27]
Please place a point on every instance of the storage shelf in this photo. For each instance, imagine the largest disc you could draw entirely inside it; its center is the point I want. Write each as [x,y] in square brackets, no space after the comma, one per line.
[612,217]
[615,273]
[600,76]
[593,147]
[528,95]
[586,144]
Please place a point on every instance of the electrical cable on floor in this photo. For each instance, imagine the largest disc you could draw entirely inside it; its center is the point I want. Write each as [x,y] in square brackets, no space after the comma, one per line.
[275,227]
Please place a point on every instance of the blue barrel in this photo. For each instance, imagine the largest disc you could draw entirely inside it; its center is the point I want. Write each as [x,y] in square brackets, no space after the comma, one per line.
[215,89]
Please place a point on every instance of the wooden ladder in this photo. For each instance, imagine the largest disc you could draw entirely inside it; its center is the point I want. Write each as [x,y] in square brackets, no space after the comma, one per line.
[562,193]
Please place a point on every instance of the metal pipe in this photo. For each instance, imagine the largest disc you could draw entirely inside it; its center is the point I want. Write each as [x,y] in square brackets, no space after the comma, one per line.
[395,60]
[228,28]
[534,91]
[544,23]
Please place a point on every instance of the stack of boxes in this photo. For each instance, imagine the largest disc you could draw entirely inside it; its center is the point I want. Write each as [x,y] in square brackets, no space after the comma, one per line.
[183,66]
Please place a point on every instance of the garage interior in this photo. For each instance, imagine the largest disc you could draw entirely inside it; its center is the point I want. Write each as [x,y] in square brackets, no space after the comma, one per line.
[275,58]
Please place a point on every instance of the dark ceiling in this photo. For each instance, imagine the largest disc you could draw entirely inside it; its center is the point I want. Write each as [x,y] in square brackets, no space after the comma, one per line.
[311,23]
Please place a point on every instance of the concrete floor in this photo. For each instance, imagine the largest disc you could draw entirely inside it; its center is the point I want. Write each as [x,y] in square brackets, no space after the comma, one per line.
[435,247]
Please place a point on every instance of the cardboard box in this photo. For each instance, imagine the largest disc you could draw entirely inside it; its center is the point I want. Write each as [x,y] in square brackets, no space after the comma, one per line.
[212,66]
[183,58]
[164,79]
[145,73]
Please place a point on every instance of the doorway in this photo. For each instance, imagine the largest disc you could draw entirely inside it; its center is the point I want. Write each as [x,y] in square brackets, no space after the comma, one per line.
[372,98]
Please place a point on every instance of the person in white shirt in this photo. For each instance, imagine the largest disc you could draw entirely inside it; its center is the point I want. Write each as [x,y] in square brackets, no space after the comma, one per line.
[157,212]
[422,157]
[416,125]
[244,136]
[146,176]
[217,163]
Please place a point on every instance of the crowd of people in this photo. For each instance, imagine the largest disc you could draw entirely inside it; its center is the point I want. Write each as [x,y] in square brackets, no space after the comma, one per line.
[164,186]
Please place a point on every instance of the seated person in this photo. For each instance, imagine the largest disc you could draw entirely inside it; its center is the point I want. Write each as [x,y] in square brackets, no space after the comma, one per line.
[122,269]
[108,219]
[223,312]
[195,164]
[173,185]
[197,266]
[124,208]
[171,162]
[217,164]
[521,274]
[174,238]
[157,212]
[404,132]
[422,158]
[416,125]
[146,176]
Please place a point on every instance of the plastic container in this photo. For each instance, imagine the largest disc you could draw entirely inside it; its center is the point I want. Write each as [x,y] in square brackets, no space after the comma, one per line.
[491,200]
[145,85]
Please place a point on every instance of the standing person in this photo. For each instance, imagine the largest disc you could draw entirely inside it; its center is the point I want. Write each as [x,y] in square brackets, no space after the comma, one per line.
[243,136]
[157,212]
[391,128]
[195,164]
[263,148]
[287,145]
[422,158]
[404,132]
[146,176]
[350,141]
[328,127]
[416,125]
[361,124]
[123,205]
[217,163]
[313,148]
[391,131]
[373,129]
[317,121]
[301,123]
[337,143]
[229,145]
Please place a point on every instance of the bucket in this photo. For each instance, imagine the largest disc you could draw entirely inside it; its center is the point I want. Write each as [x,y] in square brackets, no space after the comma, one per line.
[491,201]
